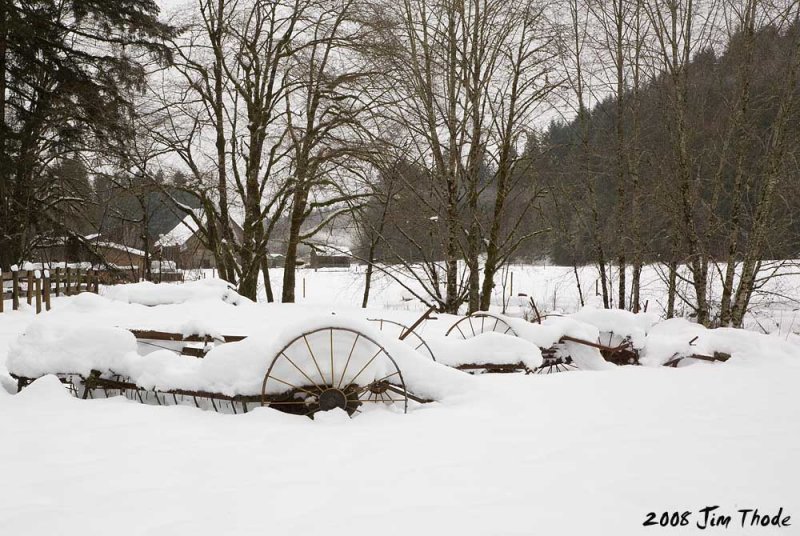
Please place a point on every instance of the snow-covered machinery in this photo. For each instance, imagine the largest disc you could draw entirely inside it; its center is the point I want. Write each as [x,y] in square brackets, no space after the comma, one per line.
[553,358]
[330,368]
[299,371]
[404,333]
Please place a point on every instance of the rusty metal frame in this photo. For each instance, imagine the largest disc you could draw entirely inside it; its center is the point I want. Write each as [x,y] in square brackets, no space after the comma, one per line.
[623,354]
[482,315]
[405,332]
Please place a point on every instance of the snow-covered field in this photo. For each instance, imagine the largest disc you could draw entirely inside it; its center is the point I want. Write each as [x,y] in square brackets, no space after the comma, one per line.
[585,452]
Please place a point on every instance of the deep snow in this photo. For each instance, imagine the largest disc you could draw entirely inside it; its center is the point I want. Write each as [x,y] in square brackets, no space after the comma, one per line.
[571,453]
[586,452]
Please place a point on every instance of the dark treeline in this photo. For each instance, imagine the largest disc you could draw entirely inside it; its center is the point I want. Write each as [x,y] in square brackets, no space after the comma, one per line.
[713,87]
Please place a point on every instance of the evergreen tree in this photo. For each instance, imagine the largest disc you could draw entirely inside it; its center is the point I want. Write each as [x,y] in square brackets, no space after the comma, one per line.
[65,68]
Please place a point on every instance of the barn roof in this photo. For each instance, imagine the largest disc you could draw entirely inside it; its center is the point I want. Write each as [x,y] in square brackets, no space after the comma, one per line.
[179,234]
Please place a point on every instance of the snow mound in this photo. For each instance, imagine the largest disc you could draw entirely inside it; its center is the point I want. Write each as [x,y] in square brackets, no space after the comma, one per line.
[486,348]
[47,388]
[52,345]
[7,383]
[678,337]
[619,322]
[552,329]
[152,294]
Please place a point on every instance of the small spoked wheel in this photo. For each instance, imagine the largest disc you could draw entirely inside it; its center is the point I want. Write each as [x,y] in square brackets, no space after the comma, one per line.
[551,365]
[617,349]
[412,338]
[332,368]
[477,323]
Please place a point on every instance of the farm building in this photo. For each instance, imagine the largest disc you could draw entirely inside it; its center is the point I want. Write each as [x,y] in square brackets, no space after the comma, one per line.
[184,246]
[93,249]
[329,256]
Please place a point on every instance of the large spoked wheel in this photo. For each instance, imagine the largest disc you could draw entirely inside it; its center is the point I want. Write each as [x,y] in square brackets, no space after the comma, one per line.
[478,323]
[332,368]
[397,330]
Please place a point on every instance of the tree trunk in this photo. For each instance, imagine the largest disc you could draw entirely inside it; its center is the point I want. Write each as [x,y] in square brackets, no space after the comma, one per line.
[290,263]
[267,282]
[622,226]
[672,287]
[367,280]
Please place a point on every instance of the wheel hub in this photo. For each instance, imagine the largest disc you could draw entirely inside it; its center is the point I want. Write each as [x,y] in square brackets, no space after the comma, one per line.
[379,387]
[332,398]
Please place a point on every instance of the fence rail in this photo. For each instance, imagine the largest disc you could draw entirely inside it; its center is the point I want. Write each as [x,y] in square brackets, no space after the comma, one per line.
[37,286]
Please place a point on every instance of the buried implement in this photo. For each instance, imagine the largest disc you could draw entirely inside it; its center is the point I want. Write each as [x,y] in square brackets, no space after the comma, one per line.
[318,370]
[332,368]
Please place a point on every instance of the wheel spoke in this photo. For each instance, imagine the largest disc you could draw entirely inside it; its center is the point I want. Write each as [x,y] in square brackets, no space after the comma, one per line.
[301,371]
[367,364]
[290,385]
[364,388]
[347,363]
[314,358]
[332,356]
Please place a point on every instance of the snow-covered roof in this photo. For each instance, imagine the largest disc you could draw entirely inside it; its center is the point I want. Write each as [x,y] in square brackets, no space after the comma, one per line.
[119,247]
[179,234]
[332,250]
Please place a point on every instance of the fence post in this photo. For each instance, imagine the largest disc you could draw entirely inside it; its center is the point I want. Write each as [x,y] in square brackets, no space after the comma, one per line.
[78,280]
[47,289]
[2,291]
[37,290]
[58,282]
[29,289]
[68,281]
[15,290]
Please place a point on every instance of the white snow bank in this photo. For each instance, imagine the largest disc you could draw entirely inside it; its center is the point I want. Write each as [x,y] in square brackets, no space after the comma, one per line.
[559,454]
[151,294]
[486,348]
[678,337]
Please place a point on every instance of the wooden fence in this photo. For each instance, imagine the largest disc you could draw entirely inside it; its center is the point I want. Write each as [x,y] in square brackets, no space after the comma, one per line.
[37,286]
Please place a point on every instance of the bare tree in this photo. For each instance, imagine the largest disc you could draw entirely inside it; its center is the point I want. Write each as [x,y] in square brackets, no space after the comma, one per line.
[468,79]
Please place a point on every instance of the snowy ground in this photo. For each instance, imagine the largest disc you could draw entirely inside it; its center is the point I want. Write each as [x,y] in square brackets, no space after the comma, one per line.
[588,452]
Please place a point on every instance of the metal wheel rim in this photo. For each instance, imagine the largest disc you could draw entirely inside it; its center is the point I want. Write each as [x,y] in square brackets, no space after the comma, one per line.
[404,328]
[479,320]
[355,394]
